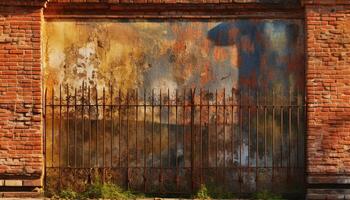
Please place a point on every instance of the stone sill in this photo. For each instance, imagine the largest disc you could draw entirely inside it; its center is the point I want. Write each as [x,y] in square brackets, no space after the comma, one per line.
[21,183]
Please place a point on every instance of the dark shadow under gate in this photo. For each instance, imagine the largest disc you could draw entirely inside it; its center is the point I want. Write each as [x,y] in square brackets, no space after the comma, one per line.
[171,142]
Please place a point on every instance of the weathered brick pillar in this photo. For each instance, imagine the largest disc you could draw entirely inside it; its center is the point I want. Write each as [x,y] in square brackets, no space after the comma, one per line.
[328,94]
[21,160]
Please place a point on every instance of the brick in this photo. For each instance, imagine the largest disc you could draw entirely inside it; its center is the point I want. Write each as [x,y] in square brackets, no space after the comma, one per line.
[33,183]
[16,183]
[20,195]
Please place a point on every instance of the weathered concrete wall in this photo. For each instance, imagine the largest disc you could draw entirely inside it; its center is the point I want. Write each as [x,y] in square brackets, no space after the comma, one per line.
[175,54]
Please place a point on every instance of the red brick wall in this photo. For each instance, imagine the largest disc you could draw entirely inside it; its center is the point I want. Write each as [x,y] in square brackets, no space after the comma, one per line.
[328,94]
[328,84]
[20,90]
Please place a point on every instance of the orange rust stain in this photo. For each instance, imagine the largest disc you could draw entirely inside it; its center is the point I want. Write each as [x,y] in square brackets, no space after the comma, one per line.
[220,54]
[205,47]
[206,74]
[179,46]
[234,57]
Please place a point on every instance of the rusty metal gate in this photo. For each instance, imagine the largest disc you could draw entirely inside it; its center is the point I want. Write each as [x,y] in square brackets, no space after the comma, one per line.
[171,142]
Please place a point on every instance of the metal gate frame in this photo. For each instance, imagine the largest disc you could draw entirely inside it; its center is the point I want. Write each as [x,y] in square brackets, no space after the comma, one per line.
[196,112]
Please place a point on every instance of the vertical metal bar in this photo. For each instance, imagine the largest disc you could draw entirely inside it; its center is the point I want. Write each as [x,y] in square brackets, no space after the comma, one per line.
[144,140]
[232,127]
[241,140]
[208,164]
[257,141]
[224,143]
[298,127]
[120,128]
[67,115]
[127,139]
[216,136]
[303,138]
[303,130]
[169,128]
[96,131]
[112,123]
[75,130]
[281,130]
[265,131]
[152,136]
[289,132]
[273,134]
[192,102]
[83,123]
[104,130]
[75,127]
[176,142]
[183,127]
[160,141]
[53,125]
[90,125]
[60,139]
[201,137]
[249,128]
[45,138]
[68,155]
[136,124]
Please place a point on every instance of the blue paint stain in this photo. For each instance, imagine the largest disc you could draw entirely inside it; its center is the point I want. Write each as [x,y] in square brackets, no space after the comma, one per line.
[260,35]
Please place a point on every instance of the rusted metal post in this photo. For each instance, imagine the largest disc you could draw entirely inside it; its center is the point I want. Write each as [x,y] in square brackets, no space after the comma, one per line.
[192,105]
[144,141]
[44,138]
[83,123]
[257,141]
[112,123]
[60,139]
[127,141]
[160,142]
